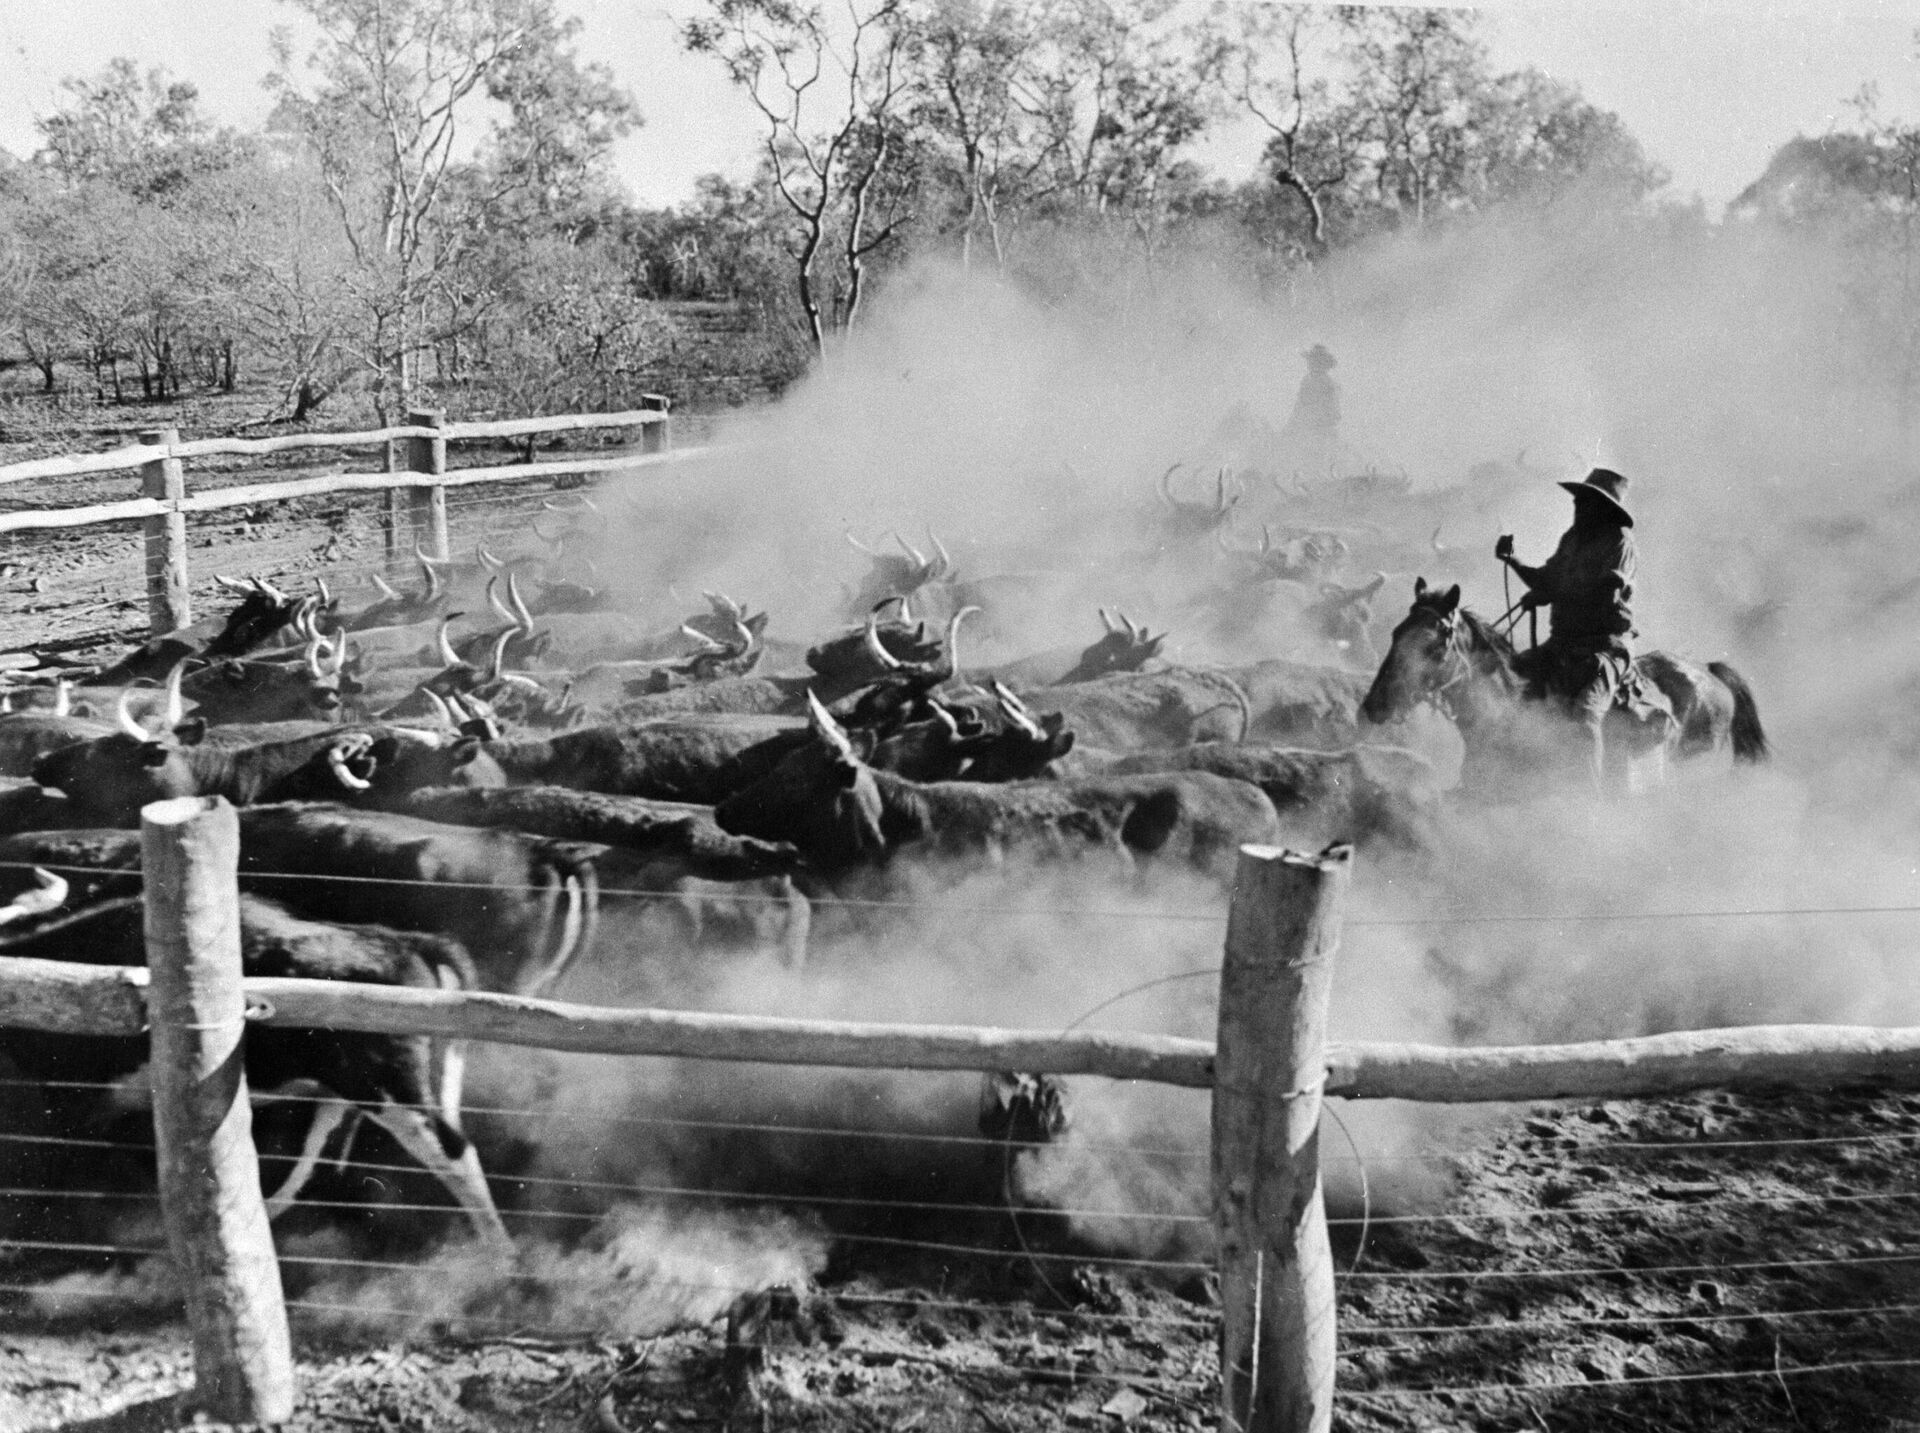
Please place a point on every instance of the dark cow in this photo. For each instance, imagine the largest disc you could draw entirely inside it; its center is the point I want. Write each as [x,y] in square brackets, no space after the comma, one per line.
[402,609]
[1299,703]
[893,577]
[393,1080]
[525,907]
[262,613]
[841,667]
[25,737]
[843,814]
[1125,648]
[685,759]
[107,780]
[235,690]
[1171,707]
[1363,794]
[664,830]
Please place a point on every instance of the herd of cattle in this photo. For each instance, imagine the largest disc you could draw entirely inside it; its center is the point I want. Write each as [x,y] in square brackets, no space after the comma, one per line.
[469,799]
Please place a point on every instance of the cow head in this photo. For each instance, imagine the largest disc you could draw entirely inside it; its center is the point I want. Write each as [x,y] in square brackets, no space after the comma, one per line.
[847,663]
[264,609]
[388,763]
[1125,648]
[110,778]
[823,800]
[724,619]
[1024,747]
[899,576]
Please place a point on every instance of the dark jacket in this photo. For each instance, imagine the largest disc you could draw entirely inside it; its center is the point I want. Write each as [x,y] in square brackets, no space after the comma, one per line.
[1588,583]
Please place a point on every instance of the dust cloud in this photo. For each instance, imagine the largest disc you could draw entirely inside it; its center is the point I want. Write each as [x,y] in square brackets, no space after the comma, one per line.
[1728,371]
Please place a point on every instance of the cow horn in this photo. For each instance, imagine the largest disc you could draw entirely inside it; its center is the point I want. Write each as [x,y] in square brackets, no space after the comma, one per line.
[339,645]
[436,584]
[746,636]
[953,641]
[448,656]
[520,613]
[124,711]
[1106,619]
[385,588]
[487,559]
[267,589]
[1166,486]
[723,605]
[176,709]
[876,650]
[6,703]
[63,698]
[827,729]
[859,545]
[320,586]
[232,584]
[1015,710]
[312,656]
[499,654]
[707,644]
[909,549]
[421,553]
[337,759]
[439,705]
[49,895]
[945,558]
[946,719]
[501,610]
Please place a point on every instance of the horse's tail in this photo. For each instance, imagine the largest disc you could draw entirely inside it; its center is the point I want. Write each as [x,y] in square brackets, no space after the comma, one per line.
[1749,741]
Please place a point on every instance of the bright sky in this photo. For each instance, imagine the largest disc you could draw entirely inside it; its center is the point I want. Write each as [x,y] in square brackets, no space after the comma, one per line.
[1710,89]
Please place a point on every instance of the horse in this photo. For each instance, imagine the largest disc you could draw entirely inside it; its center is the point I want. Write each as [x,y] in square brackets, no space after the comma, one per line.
[1452,657]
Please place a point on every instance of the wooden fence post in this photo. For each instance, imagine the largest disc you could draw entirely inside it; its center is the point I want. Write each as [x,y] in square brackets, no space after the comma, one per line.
[656,437]
[429,455]
[210,1198]
[169,605]
[1270,1222]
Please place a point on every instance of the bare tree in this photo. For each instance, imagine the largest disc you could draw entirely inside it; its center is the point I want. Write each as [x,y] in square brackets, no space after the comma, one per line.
[830,95]
[381,103]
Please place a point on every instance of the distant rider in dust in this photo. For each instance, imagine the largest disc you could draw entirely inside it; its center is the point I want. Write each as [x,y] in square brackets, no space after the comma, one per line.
[1587,586]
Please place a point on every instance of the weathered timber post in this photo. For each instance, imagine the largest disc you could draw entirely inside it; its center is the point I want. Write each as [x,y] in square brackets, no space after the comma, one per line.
[656,437]
[1270,1222]
[210,1199]
[169,606]
[429,455]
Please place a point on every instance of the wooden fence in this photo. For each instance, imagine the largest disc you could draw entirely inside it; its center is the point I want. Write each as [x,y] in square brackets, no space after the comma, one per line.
[416,492]
[1269,1068]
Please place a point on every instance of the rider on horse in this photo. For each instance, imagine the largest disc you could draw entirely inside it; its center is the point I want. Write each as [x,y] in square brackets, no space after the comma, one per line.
[1587,586]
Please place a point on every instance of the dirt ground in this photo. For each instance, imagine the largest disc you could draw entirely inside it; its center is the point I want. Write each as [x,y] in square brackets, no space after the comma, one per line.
[1702,1263]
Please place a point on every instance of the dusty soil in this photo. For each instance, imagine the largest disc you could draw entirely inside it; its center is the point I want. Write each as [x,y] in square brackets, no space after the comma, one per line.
[1679,1264]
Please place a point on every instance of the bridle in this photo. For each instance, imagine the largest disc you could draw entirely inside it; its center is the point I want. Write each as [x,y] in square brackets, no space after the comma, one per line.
[1457,667]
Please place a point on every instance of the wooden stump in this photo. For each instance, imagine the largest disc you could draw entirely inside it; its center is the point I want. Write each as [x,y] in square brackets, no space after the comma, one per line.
[210,1198]
[1276,1265]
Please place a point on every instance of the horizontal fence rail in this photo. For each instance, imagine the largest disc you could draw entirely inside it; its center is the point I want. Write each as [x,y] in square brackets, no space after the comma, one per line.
[414,477]
[111,1000]
[138,455]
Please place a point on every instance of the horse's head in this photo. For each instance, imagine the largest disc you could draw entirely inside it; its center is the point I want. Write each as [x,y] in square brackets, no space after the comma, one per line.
[1424,658]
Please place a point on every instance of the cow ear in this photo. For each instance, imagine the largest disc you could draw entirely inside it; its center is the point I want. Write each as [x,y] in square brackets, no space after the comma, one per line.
[1060,744]
[1452,598]
[191,732]
[1419,588]
[464,750]
[155,753]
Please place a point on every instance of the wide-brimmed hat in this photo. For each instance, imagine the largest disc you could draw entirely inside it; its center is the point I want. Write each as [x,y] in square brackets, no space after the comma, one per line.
[1609,487]
[1319,356]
